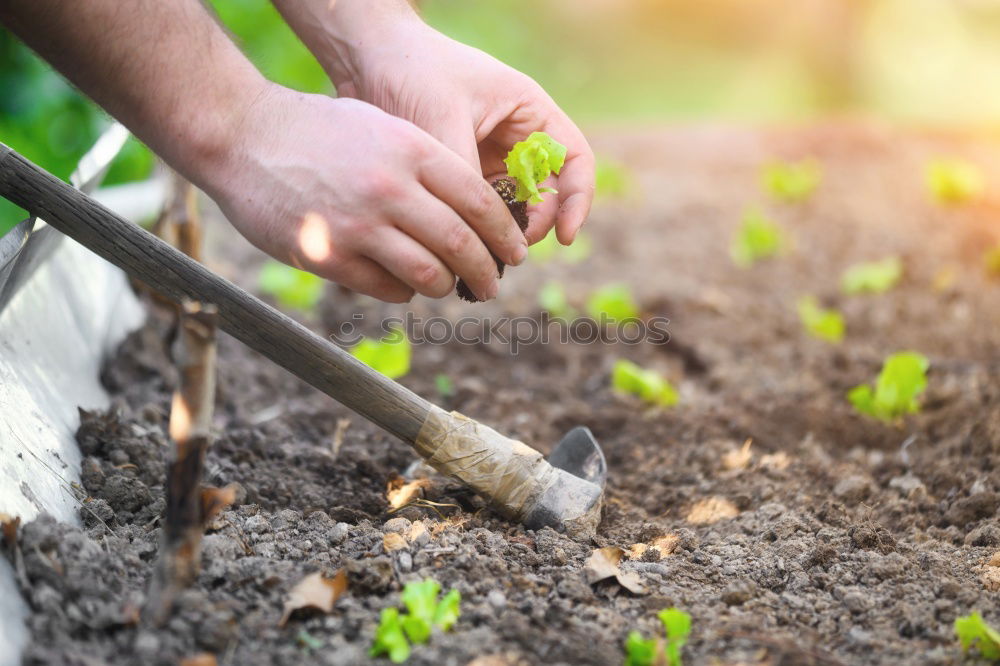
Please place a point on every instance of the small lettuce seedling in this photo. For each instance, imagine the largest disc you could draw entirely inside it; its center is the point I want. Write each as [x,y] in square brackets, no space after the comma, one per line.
[611,179]
[954,181]
[533,160]
[445,387]
[972,631]
[873,277]
[291,287]
[897,388]
[425,612]
[657,651]
[628,378]
[791,181]
[550,249]
[822,323]
[390,355]
[552,298]
[612,303]
[757,238]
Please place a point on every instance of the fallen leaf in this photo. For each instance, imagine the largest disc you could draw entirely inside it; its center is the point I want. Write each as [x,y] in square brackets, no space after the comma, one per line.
[779,460]
[399,492]
[215,500]
[738,458]
[994,561]
[203,659]
[712,510]
[603,564]
[991,578]
[393,541]
[663,546]
[417,530]
[315,591]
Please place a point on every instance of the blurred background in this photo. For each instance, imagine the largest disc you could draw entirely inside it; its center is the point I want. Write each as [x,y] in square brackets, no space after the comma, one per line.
[619,63]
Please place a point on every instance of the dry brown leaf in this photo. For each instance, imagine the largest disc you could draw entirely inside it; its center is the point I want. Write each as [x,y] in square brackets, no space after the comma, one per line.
[399,492]
[994,561]
[10,525]
[215,500]
[738,458]
[663,546]
[417,530]
[315,591]
[712,510]
[779,460]
[991,578]
[603,564]
[203,659]
[393,541]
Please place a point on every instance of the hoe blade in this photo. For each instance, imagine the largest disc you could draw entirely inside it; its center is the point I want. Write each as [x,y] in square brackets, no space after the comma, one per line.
[579,454]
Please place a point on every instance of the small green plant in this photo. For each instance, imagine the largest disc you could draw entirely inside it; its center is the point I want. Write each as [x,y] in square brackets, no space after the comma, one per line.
[390,355]
[550,249]
[972,631]
[897,388]
[612,302]
[533,160]
[825,324]
[873,277]
[552,298]
[791,181]
[629,378]
[445,387]
[425,612]
[291,287]
[954,181]
[757,238]
[308,642]
[611,179]
[641,651]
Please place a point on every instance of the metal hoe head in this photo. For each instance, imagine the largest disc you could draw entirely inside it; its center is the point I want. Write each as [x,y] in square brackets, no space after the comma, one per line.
[573,502]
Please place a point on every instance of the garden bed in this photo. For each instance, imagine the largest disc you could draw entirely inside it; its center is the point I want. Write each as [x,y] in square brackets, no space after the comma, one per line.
[853,542]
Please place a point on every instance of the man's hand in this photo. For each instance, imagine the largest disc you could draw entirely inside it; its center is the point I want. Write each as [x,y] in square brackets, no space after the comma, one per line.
[355,195]
[382,53]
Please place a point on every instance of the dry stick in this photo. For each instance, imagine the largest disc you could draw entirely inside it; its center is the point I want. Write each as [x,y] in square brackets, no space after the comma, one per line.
[189,505]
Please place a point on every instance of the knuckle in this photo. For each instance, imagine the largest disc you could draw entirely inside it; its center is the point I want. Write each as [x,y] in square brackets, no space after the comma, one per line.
[460,240]
[428,279]
[482,201]
[380,186]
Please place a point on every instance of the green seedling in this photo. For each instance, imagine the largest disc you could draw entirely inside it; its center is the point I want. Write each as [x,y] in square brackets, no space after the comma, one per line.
[897,388]
[789,181]
[972,631]
[550,249]
[611,179]
[533,160]
[757,238]
[656,651]
[628,378]
[445,387]
[289,286]
[819,322]
[552,298]
[390,355]
[953,181]
[873,277]
[612,302]
[308,641]
[425,612]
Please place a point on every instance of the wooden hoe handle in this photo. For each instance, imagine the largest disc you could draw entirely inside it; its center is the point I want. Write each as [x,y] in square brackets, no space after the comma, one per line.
[248,319]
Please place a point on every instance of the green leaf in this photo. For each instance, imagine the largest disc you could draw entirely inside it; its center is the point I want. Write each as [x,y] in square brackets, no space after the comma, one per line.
[390,355]
[289,286]
[552,298]
[629,378]
[447,611]
[614,302]
[677,624]
[757,238]
[973,631]
[420,599]
[531,161]
[308,641]
[611,179]
[639,651]
[873,277]
[389,638]
[445,387]
[789,181]
[897,388]
[954,181]
[550,249]
[820,322]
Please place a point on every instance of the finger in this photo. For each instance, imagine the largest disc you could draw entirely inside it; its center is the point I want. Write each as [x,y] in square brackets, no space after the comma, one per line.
[364,276]
[459,137]
[436,226]
[576,193]
[410,261]
[542,216]
[465,191]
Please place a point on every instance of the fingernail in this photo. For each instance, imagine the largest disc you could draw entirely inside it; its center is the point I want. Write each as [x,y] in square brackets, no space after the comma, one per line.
[492,290]
[520,253]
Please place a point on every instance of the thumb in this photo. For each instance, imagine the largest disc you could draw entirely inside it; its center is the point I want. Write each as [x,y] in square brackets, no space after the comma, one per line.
[460,138]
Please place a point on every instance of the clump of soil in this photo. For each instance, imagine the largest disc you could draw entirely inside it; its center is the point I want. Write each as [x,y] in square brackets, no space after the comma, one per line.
[507,189]
[840,541]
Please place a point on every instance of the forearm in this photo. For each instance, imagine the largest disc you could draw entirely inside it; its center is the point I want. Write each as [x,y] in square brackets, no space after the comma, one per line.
[164,69]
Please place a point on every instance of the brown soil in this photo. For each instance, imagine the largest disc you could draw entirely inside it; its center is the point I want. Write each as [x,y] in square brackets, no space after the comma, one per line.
[507,190]
[852,542]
